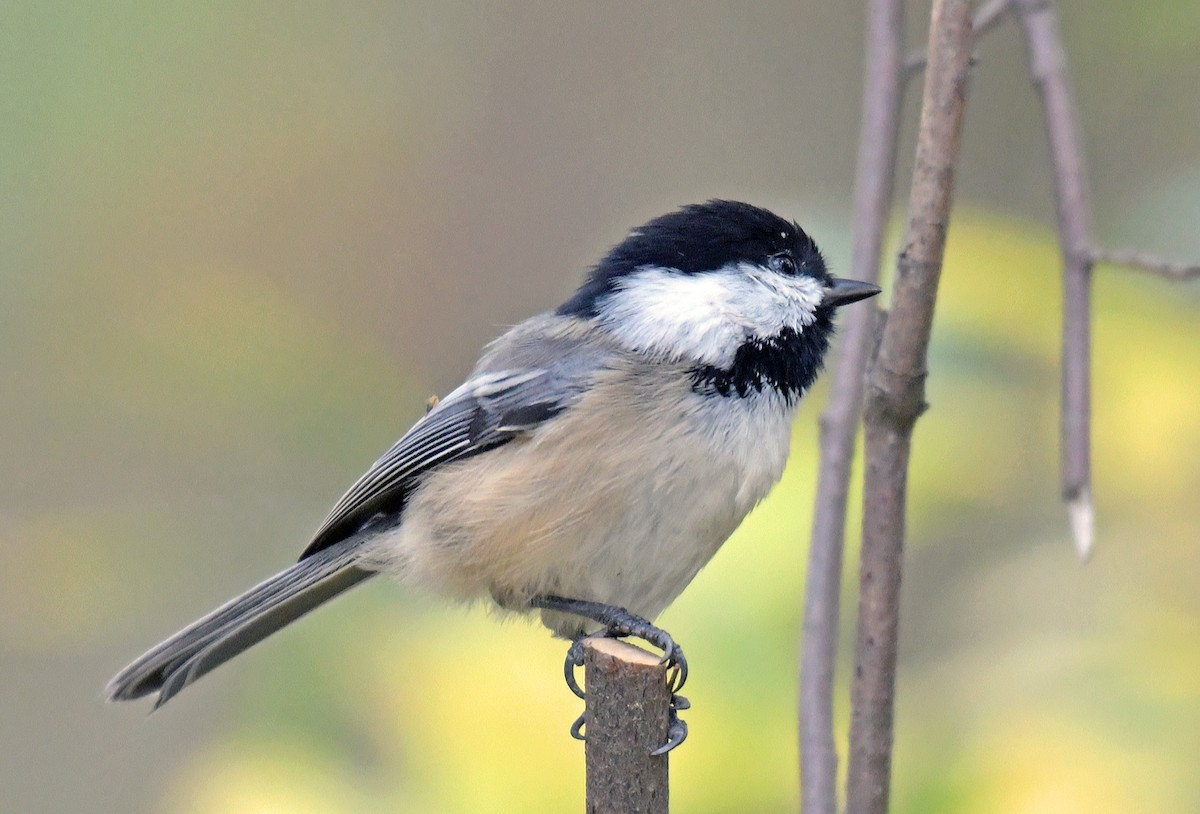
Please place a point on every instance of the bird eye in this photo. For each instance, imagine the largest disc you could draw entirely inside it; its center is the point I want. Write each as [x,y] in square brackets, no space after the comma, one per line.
[782,263]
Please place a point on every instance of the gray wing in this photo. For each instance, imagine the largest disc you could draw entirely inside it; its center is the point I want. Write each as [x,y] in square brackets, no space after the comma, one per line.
[488,410]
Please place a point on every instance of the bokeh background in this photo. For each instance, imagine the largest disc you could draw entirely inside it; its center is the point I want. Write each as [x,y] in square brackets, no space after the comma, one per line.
[240,245]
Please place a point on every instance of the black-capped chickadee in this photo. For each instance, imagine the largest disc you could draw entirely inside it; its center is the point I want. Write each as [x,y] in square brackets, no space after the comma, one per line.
[593,462]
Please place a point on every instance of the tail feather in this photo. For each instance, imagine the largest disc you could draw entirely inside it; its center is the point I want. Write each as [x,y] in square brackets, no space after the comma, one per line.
[239,624]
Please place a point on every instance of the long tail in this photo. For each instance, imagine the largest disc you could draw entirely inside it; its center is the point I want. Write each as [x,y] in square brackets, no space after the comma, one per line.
[239,624]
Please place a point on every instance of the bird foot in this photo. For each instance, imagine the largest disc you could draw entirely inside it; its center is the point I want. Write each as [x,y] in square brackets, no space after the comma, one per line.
[620,623]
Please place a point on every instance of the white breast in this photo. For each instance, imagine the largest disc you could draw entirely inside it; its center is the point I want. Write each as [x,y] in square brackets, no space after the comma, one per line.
[623,511]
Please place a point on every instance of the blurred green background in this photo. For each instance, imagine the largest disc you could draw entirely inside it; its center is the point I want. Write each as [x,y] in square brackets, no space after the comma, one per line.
[240,244]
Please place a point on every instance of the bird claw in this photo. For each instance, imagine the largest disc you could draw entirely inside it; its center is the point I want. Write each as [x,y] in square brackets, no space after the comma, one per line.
[677,728]
[574,659]
[677,669]
[577,727]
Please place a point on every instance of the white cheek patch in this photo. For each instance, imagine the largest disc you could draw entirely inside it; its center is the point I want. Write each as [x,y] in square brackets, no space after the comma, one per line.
[768,302]
[707,316]
[671,314]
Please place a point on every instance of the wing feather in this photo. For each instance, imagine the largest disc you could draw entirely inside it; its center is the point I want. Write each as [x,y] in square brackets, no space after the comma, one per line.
[487,411]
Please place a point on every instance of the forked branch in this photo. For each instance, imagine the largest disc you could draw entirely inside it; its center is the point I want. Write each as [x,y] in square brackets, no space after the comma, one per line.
[1048,66]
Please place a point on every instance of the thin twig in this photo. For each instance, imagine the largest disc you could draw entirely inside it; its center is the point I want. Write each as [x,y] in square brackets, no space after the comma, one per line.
[1048,66]
[988,16]
[878,136]
[895,398]
[1146,262]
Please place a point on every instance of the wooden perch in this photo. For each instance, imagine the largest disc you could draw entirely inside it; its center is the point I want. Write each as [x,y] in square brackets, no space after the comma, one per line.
[628,702]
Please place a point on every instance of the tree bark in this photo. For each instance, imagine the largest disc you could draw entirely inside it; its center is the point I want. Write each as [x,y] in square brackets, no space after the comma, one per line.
[895,399]
[627,707]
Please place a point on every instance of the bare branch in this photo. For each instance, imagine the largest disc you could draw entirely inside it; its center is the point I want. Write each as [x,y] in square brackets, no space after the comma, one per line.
[1146,262]
[1048,65]
[895,398]
[988,16]
[882,96]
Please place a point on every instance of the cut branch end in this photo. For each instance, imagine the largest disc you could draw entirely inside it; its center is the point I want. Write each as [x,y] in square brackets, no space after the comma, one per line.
[1082,513]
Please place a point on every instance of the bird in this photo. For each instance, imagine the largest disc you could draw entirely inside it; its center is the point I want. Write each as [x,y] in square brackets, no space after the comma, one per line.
[594,460]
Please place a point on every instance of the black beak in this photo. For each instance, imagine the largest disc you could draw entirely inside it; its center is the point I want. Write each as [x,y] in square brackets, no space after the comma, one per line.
[844,292]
